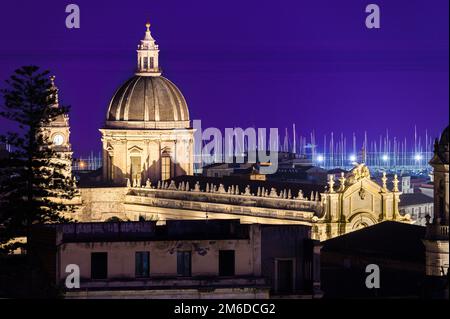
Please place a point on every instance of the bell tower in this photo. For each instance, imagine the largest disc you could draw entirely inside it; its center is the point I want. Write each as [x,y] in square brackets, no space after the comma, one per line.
[437,238]
[59,133]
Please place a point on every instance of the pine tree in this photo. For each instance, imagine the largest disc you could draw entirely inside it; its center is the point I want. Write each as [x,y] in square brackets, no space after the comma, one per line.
[33,186]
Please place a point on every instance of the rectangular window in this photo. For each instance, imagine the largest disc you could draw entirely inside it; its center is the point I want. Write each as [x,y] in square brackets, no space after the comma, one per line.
[152,63]
[99,265]
[184,263]
[142,262]
[226,262]
[165,167]
[145,63]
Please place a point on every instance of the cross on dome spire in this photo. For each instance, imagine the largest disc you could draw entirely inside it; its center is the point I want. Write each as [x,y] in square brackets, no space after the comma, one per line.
[148,55]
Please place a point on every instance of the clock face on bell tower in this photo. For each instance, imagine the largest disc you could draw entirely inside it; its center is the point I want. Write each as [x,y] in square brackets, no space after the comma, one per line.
[58,139]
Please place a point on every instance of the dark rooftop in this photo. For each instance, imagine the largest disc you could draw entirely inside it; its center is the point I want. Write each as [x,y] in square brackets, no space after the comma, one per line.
[337,171]
[388,239]
[415,199]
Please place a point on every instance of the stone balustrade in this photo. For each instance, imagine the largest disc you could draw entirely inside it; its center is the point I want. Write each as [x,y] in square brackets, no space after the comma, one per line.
[233,195]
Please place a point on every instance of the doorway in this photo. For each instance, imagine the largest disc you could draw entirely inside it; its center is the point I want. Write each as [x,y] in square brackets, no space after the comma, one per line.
[284,276]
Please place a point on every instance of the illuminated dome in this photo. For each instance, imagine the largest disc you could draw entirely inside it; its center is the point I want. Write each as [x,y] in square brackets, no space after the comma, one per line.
[148,100]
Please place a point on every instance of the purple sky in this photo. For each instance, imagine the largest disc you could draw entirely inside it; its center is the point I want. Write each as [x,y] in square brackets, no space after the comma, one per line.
[247,63]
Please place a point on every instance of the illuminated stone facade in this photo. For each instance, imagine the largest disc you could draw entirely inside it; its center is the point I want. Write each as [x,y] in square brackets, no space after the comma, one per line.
[148,142]
[359,202]
[147,134]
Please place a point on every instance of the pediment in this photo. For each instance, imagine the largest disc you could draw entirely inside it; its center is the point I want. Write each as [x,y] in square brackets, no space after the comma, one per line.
[135,149]
[366,184]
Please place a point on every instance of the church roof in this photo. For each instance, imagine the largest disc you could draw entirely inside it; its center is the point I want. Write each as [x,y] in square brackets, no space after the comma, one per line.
[388,239]
[145,99]
[414,199]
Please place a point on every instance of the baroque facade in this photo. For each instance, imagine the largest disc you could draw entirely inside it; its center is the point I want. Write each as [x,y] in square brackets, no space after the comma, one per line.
[355,203]
[148,158]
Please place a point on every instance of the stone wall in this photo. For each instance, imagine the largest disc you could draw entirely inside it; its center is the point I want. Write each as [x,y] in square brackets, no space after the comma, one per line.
[99,204]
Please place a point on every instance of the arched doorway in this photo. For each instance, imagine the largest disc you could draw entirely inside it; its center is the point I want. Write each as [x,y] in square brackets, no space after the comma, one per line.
[359,221]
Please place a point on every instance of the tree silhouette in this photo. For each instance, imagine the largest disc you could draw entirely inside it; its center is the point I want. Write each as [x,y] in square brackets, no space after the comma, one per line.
[34,185]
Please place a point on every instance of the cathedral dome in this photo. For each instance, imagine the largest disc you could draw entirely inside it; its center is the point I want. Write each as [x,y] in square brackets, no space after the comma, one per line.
[148,102]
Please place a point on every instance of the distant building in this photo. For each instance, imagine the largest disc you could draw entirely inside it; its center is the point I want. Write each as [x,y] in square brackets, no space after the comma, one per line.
[250,171]
[222,169]
[182,259]
[406,185]
[418,206]
[290,167]
[291,160]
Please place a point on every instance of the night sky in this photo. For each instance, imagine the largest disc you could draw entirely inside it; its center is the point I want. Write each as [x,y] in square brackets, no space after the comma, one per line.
[246,63]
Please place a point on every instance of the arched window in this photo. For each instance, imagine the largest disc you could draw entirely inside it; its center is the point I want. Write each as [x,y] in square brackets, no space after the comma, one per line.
[166,164]
[145,63]
[152,63]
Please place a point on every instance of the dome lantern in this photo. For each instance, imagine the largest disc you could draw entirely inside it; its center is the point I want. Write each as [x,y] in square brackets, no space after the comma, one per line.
[148,56]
